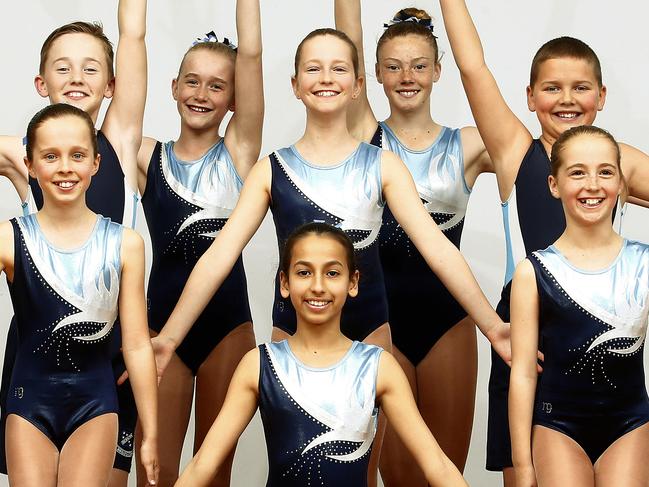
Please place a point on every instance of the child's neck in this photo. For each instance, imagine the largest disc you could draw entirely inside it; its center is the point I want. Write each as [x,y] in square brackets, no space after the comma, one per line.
[326,140]
[66,227]
[193,144]
[414,128]
[319,345]
[590,247]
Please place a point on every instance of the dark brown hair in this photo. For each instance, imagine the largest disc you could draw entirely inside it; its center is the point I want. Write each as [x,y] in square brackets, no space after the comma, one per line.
[58,110]
[328,32]
[401,28]
[321,230]
[564,138]
[94,29]
[565,47]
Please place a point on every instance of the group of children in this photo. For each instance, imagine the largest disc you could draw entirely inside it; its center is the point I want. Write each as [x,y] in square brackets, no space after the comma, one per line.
[369,217]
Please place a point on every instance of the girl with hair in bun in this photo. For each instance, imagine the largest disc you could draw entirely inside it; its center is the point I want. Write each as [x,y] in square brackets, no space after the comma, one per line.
[583,422]
[319,397]
[437,350]
[189,188]
[328,175]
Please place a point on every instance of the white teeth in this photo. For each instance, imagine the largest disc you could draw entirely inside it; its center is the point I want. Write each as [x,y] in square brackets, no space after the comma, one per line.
[408,94]
[325,94]
[75,94]
[199,109]
[592,201]
[315,303]
[567,116]
[65,184]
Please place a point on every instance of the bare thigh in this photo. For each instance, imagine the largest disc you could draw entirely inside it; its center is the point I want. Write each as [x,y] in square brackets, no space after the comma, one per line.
[175,394]
[625,461]
[559,460]
[88,455]
[509,477]
[32,459]
[446,384]
[118,478]
[212,384]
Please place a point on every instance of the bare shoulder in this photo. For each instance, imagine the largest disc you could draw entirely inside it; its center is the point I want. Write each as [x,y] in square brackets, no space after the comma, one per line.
[6,232]
[248,369]
[6,244]
[132,242]
[389,370]
[524,272]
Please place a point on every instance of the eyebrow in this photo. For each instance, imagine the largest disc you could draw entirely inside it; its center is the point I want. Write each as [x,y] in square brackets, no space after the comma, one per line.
[66,58]
[320,61]
[310,264]
[420,58]
[196,75]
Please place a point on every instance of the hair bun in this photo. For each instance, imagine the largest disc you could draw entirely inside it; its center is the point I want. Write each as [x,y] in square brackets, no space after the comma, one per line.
[409,12]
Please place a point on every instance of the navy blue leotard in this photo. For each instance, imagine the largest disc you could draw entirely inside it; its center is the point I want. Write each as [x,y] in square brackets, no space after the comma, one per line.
[65,304]
[319,423]
[412,287]
[593,326]
[349,196]
[533,220]
[111,196]
[186,204]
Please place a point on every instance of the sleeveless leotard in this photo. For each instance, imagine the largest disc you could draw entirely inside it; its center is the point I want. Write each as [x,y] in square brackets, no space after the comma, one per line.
[349,196]
[65,303]
[186,204]
[412,287]
[593,325]
[319,423]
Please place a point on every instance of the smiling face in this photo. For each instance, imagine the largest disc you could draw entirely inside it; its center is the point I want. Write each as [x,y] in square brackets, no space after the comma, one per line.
[407,69]
[76,72]
[318,279]
[565,94]
[325,79]
[62,158]
[588,179]
[204,89]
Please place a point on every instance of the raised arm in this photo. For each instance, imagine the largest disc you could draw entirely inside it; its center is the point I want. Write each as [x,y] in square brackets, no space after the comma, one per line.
[136,348]
[635,167]
[440,254]
[243,135]
[398,404]
[504,135]
[217,262]
[11,164]
[7,250]
[237,411]
[123,123]
[525,328]
[360,118]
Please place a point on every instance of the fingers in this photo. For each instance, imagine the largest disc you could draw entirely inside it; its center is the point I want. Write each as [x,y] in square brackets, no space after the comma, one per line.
[122,378]
[152,471]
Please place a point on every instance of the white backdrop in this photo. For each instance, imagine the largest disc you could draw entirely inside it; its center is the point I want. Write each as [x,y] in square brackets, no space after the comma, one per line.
[511,31]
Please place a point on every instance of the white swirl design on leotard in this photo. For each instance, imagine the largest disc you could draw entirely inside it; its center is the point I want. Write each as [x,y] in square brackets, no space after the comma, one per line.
[215,201]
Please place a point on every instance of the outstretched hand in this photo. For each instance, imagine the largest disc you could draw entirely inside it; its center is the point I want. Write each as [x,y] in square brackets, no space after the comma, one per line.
[149,458]
[500,338]
[163,350]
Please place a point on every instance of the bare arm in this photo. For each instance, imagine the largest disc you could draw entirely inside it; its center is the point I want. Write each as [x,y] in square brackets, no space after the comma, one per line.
[395,397]
[136,347]
[504,135]
[635,167]
[143,160]
[525,329]
[237,411]
[440,254]
[123,123]
[360,118]
[12,165]
[243,135]
[217,262]
[7,250]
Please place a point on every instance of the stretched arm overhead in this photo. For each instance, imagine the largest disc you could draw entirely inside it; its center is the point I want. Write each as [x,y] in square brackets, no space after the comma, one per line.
[635,167]
[237,411]
[12,166]
[440,254]
[136,347]
[243,135]
[525,329]
[217,261]
[504,135]
[123,122]
[360,118]
[395,397]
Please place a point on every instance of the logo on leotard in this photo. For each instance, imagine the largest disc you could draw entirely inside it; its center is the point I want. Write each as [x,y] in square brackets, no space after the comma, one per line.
[546,407]
[19,392]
